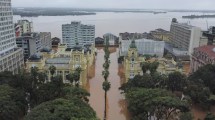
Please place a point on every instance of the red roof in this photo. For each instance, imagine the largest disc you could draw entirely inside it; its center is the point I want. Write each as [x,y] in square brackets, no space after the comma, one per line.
[207,49]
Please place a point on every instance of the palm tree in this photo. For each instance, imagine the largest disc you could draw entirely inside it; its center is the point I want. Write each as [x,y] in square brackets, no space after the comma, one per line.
[106,87]
[105,74]
[52,70]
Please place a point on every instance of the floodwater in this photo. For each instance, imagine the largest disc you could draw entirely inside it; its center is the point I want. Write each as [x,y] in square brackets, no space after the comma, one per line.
[111,22]
[116,105]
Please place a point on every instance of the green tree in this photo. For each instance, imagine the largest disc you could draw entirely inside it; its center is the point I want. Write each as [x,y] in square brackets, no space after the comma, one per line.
[106,87]
[176,81]
[153,67]
[186,116]
[52,70]
[62,109]
[145,66]
[209,116]
[13,103]
[105,74]
[143,103]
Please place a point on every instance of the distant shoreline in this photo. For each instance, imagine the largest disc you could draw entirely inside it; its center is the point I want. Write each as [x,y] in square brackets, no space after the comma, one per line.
[198,16]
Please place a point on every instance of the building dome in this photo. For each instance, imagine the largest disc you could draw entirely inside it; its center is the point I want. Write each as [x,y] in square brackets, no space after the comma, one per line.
[46,49]
[35,56]
[174,20]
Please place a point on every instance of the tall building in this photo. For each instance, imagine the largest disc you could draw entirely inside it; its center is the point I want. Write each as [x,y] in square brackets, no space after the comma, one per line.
[46,40]
[11,57]
[23,26]
[202,56]
[185,36]
[30,43]
[78,33]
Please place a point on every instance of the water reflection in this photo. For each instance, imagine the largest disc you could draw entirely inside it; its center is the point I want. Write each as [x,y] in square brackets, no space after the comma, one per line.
[116,105]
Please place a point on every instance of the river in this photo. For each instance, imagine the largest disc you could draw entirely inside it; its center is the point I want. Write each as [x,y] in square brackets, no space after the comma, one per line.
[116,105]
[111,22]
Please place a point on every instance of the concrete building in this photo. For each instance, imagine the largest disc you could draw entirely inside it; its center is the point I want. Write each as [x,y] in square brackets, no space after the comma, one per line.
[111,38]
[160,34]
[99,41]
[144,47]
[78,33]
[46,40]
[185,36]
[132,36]
[133,60]
[11,57]
[23,26]
[202,56]
[66,60]
[30,43]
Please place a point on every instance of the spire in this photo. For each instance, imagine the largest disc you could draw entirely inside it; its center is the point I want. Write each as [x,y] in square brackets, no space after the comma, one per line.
[133,45]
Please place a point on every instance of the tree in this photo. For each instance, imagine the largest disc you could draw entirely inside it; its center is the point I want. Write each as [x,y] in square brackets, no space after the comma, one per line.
[186,116]
[13,103]
[153,67]
[209,116]
[145,66]
[176,81]
[144,103]
[105,74]
[205,74]
[62,109]
[52,70]
[106,87]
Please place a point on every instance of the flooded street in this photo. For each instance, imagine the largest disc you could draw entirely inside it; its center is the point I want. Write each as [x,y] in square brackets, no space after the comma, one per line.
[116,106]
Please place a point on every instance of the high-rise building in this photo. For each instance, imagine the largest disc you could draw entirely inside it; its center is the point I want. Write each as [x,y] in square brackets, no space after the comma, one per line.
[46,40]
[30,43]
[11,57]
[185,36]
[77,33]
[23,26]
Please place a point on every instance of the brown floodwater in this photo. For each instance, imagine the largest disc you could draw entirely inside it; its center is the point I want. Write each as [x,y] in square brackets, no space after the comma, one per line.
[116,105]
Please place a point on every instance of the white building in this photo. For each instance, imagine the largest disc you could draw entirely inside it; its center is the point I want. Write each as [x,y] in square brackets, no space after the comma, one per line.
[110,38]
[144,47]
[185,36]
[78,33]
[23,26]
[11,57]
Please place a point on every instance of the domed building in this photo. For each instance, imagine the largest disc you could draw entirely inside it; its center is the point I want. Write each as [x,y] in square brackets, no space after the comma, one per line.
[66,60]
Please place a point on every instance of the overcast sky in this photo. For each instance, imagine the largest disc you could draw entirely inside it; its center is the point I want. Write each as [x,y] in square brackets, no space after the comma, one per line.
[138,4]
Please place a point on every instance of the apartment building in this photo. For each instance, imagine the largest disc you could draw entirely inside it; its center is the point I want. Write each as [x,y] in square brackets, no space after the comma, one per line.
[185,36]
[77,33]
[11,57]
[46,40]
[23,26]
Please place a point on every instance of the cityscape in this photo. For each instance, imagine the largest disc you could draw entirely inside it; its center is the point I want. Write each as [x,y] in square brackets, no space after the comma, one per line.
[132,63]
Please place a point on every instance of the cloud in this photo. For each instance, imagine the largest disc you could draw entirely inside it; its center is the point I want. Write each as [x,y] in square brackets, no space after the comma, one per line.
[142,4]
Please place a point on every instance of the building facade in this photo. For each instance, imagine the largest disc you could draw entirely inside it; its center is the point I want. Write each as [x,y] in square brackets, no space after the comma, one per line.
[23,26]
[46,40]
[11,57]
[202,56]
[185,36]
[111,38]
[160,34]
[78,33]
[66,60]
[144,46]
[30,43]
[133,60]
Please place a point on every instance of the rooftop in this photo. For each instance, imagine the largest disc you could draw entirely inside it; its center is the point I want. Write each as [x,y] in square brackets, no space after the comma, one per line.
[207,49]
[60,60]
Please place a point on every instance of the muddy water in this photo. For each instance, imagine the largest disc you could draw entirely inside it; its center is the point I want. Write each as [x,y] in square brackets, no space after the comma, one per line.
[116,106]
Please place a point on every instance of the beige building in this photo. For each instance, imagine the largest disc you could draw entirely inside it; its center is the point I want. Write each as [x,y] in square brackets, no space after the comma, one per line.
[160,34]
[133,60]
[66,60]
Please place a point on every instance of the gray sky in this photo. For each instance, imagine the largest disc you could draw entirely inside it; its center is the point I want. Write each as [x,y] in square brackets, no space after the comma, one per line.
[142,4]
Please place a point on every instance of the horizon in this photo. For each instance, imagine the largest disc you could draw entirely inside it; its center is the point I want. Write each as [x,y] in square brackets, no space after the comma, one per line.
[120,4]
